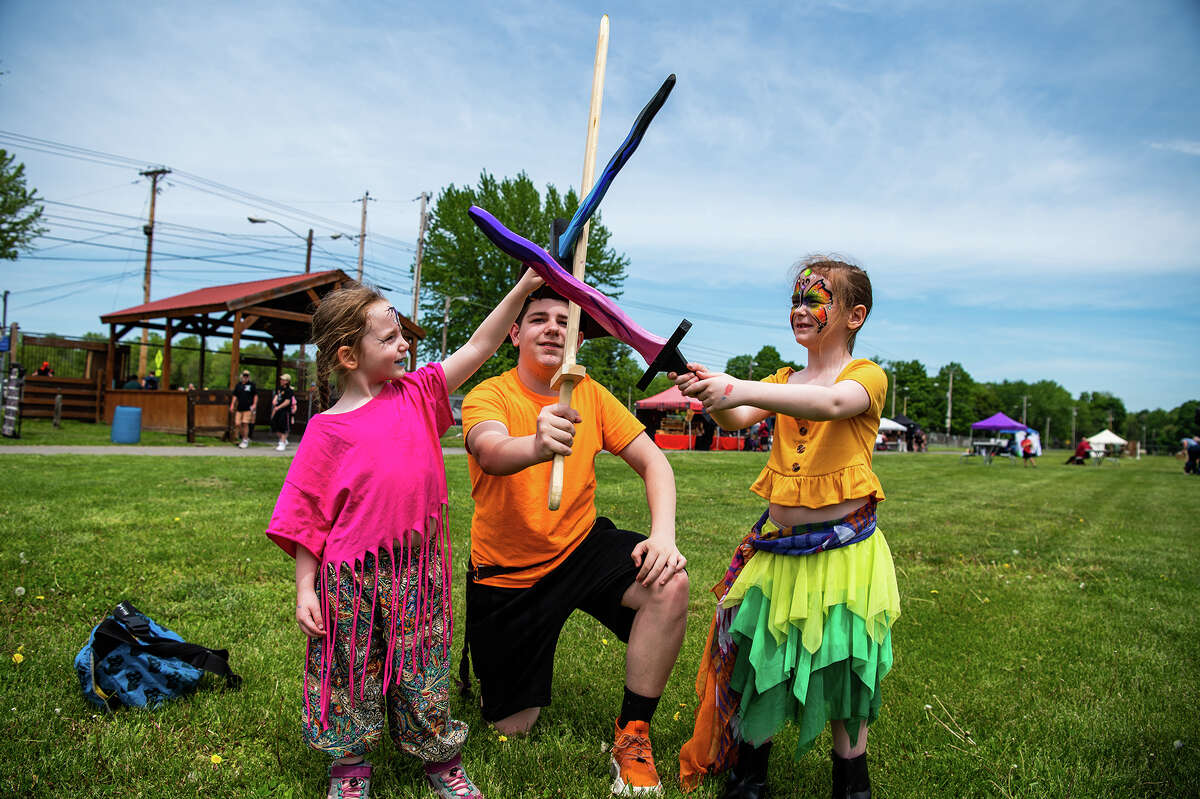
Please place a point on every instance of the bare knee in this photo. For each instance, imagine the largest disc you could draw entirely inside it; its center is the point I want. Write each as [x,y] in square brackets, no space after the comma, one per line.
[674,595]
[518,723]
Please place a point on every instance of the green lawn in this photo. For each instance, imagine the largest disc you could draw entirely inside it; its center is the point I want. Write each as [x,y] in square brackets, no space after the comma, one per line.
[1044,648]
[76,433]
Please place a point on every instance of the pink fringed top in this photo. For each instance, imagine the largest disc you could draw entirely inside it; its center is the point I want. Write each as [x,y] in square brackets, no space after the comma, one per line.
[367,481]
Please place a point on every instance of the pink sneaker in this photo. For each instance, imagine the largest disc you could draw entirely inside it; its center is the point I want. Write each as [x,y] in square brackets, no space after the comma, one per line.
[350,782]
[453,783]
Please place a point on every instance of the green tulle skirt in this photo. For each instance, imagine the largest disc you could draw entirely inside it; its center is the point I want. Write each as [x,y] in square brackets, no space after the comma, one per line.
[814,639]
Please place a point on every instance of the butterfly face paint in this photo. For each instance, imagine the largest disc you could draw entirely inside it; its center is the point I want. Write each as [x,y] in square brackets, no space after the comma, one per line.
[812,292]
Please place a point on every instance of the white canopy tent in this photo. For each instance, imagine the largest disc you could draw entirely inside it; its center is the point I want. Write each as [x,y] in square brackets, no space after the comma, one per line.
[1105,438]
[886,425]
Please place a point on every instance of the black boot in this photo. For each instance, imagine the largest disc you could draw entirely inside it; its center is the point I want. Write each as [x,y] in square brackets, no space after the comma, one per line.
[850,780]
[748,779]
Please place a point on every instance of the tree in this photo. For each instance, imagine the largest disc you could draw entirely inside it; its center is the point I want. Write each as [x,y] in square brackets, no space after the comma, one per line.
[768,361]
[460,262]
[20,211]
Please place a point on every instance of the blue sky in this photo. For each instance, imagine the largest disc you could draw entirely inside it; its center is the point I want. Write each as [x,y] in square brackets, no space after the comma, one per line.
[1022,180]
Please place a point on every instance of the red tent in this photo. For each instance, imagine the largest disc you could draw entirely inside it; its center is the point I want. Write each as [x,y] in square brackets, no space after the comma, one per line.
[669,400]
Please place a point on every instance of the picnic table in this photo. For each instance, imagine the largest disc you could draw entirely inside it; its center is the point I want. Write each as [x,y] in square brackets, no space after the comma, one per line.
[986,448]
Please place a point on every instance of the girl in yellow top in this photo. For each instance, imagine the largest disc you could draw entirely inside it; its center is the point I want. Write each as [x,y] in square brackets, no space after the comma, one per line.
[802,630]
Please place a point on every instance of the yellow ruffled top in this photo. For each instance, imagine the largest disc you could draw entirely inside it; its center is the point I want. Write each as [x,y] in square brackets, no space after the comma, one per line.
[814,464]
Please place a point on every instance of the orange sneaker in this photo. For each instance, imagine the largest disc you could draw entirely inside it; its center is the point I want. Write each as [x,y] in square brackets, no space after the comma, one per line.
[633,763]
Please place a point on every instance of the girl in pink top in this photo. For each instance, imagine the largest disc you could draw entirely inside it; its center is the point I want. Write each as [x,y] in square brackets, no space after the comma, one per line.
[363,512]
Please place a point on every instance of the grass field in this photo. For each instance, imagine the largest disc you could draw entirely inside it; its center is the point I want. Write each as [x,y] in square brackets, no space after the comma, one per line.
[1044,647]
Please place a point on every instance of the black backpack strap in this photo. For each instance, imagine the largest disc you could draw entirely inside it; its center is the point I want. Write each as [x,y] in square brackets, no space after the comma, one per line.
[111,633]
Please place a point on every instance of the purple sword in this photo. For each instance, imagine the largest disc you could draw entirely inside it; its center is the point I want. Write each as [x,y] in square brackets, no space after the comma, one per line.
[661,354]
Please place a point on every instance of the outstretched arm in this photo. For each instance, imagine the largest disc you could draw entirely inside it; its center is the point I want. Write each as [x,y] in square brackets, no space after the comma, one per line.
[657,557]
[744,402]
[488,337]
[733,418]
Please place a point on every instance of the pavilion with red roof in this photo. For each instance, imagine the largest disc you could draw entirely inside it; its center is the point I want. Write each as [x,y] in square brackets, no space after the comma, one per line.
[275,312]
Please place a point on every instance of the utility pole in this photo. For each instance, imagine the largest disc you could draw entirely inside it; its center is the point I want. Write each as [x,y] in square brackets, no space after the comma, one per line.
[424,198]
[362,233]
[1024,408]
[1047,431]
[1074,410]
[949,401]
[3,326]
[446,321]
[893,394]
[154,175]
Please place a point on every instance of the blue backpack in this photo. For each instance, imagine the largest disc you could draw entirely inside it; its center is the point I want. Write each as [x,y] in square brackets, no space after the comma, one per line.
[130,660]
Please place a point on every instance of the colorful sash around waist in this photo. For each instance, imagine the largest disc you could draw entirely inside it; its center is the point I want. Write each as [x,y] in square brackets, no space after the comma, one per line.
[804,539]
[713,745]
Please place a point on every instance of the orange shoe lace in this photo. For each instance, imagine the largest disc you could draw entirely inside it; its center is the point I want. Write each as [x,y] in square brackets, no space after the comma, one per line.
[634,757]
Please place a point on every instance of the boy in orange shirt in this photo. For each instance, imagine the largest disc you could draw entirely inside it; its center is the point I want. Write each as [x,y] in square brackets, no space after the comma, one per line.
[532,567]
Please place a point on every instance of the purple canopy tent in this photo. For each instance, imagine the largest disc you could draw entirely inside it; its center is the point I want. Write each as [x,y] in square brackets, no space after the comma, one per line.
[1002,423]
[999,423]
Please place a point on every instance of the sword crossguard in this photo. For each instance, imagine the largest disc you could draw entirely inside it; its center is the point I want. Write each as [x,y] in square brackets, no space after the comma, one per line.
[669,358]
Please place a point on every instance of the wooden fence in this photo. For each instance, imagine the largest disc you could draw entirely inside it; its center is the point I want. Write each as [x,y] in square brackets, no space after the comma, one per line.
[80,397]
[192,413]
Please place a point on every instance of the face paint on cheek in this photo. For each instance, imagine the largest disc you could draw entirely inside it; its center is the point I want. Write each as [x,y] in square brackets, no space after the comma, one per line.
[812,292]
[728,389]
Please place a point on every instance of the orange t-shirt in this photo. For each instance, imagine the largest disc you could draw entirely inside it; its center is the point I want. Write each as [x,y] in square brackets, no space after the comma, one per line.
[814,464]
[512,525]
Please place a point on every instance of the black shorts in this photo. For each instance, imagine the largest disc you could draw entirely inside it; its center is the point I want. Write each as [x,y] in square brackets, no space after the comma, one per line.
[281,421]
[512,632]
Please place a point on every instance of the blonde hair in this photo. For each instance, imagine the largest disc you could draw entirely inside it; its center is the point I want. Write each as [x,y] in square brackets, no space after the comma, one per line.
[286,376]
[851,284]
[340,320]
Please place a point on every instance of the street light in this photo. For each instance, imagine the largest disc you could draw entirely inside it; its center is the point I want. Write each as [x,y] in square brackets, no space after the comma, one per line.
[446,321]
[309,239]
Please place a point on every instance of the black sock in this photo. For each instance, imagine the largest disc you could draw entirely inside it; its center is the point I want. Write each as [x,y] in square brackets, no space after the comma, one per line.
[635,707]
[752,760]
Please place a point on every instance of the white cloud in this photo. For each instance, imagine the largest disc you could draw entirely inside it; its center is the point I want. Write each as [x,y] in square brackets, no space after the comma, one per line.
[1185,146]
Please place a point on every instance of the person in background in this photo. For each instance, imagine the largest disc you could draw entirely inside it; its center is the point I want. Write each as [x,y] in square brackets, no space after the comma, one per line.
[244,404]
[132,383]
[44,370]
[151,382]
[1081,454]
[282,406]
[1027,454]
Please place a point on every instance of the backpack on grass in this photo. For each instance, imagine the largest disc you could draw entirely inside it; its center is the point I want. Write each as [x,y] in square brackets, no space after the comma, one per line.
[130,659]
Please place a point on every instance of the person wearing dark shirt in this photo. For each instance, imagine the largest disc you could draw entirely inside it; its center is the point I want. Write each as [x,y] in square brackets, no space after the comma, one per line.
[282,406]
[244,405]
[44,370]
[151,382]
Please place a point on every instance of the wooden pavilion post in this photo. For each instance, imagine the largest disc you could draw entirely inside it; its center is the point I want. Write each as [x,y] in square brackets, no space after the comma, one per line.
[110,359]
[235,354]
[164,380]
[203,347]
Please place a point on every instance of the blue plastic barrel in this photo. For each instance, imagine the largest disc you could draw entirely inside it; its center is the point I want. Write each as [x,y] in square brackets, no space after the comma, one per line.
[127,425]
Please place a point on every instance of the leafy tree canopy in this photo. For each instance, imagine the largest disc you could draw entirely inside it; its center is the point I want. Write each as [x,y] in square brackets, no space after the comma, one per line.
[460,262]
[20,211]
